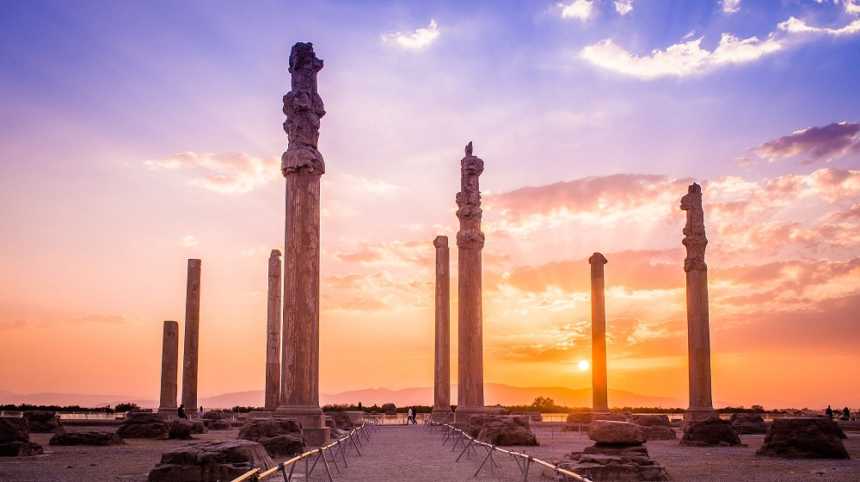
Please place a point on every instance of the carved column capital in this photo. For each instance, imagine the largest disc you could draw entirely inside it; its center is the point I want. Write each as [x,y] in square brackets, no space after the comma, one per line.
[304,108]
[694,231]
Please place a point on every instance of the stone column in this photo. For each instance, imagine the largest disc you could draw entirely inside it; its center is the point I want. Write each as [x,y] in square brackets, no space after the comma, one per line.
[442,372]
[273,332]
[169,367]
[599,401]
[192,337]
[470,241]
[302,165]
[698,337]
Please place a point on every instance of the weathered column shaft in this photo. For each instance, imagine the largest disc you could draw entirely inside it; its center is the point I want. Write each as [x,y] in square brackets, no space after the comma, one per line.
[698,330]
[301,293]
[470,241]
[598,335]
[273,332]
[442,371]
[169,366]
[302,165]
[192,337]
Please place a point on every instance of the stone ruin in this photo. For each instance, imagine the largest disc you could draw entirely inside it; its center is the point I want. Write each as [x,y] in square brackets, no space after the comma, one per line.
[203,461]
[804,437]
[502,430]
[711,432]
[748,423]
[619,454]
[15,438]
[280,437]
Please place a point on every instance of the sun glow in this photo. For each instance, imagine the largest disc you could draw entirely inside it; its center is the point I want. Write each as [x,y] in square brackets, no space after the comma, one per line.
[582,365]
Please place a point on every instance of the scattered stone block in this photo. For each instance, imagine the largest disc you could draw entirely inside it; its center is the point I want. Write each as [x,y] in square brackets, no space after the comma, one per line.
[180,429]
[804,437]
[615,433]
[710,432]
[618,454]
[503,430]
[15,438]
[651,420]
[197,427]
[42,421]
[210,461]
[659,432]
[95,438]
[280,437]
[748,423]
[144,425]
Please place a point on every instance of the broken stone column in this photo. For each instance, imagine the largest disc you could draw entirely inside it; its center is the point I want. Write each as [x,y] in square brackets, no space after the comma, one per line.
[273,332]
[302,165]
[470,241]
[698,336]
[169,367]
[442,373]
[192,337]
[599,402]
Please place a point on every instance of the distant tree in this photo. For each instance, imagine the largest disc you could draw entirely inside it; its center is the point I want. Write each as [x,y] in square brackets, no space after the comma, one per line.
[757,408]
[542,403]
[126,407]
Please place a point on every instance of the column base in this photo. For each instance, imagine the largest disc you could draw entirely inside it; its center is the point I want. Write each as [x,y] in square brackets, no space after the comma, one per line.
[316,437]
[167,412]
[463,414]
[313,422]
[442,415]
[699,414]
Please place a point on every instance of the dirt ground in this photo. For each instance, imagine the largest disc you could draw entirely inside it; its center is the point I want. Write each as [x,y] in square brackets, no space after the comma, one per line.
[413,453]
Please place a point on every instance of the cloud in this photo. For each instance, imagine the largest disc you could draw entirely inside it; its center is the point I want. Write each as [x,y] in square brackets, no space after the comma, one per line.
[796,26]
[188,241]
[730,6]
[852,7]
[226,173]
[392,254]
[623,7]
[814,143]
[578,9]
[681,59]
[415,40]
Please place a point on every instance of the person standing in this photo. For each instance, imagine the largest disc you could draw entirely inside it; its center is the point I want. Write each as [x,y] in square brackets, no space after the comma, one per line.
[180,412]
[409,416]
[829,412]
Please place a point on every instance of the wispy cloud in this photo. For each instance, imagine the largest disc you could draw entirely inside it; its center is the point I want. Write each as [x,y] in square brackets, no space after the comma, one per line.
[797,26]
[414,40]
[681,59]
[578,9]
[730,6]
[188,241]
[623,7]
[815,144]
[226,173]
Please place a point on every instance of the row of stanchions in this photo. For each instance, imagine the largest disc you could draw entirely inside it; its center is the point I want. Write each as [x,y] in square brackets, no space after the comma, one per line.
[338,449]
[457,438]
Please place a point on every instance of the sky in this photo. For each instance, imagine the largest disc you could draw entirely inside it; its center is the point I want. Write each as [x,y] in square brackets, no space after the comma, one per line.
[136,135]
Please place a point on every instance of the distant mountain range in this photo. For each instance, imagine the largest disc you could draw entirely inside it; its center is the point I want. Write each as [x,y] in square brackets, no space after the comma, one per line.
[494,393]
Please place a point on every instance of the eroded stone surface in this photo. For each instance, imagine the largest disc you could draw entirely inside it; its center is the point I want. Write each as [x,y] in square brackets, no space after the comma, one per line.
[280,437]
[698,330]
[169,366]
[748,423]
[602,462]
[15,438]
[804,437]
[470,242]
[600,401]
[42,421]
[712,431]
[144,425]
[503,430]
[273,332]
[210,461]
[192,337]
[615,433]
[93,437]
[442,354]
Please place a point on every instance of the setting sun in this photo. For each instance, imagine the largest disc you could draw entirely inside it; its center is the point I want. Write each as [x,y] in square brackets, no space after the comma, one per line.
[582,365]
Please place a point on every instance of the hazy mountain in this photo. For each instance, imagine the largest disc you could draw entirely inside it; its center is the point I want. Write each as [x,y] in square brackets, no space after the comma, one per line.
[495,393]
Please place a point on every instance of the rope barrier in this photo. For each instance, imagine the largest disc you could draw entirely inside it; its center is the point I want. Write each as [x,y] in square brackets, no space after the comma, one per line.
[523,460]
[330,451]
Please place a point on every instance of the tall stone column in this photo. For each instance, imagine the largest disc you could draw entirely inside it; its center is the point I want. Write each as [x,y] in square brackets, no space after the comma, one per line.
[598,335]
[169,367]
[698,336]
[273,332]
[442,372]
[302,165]
[192,337]
[470,241]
